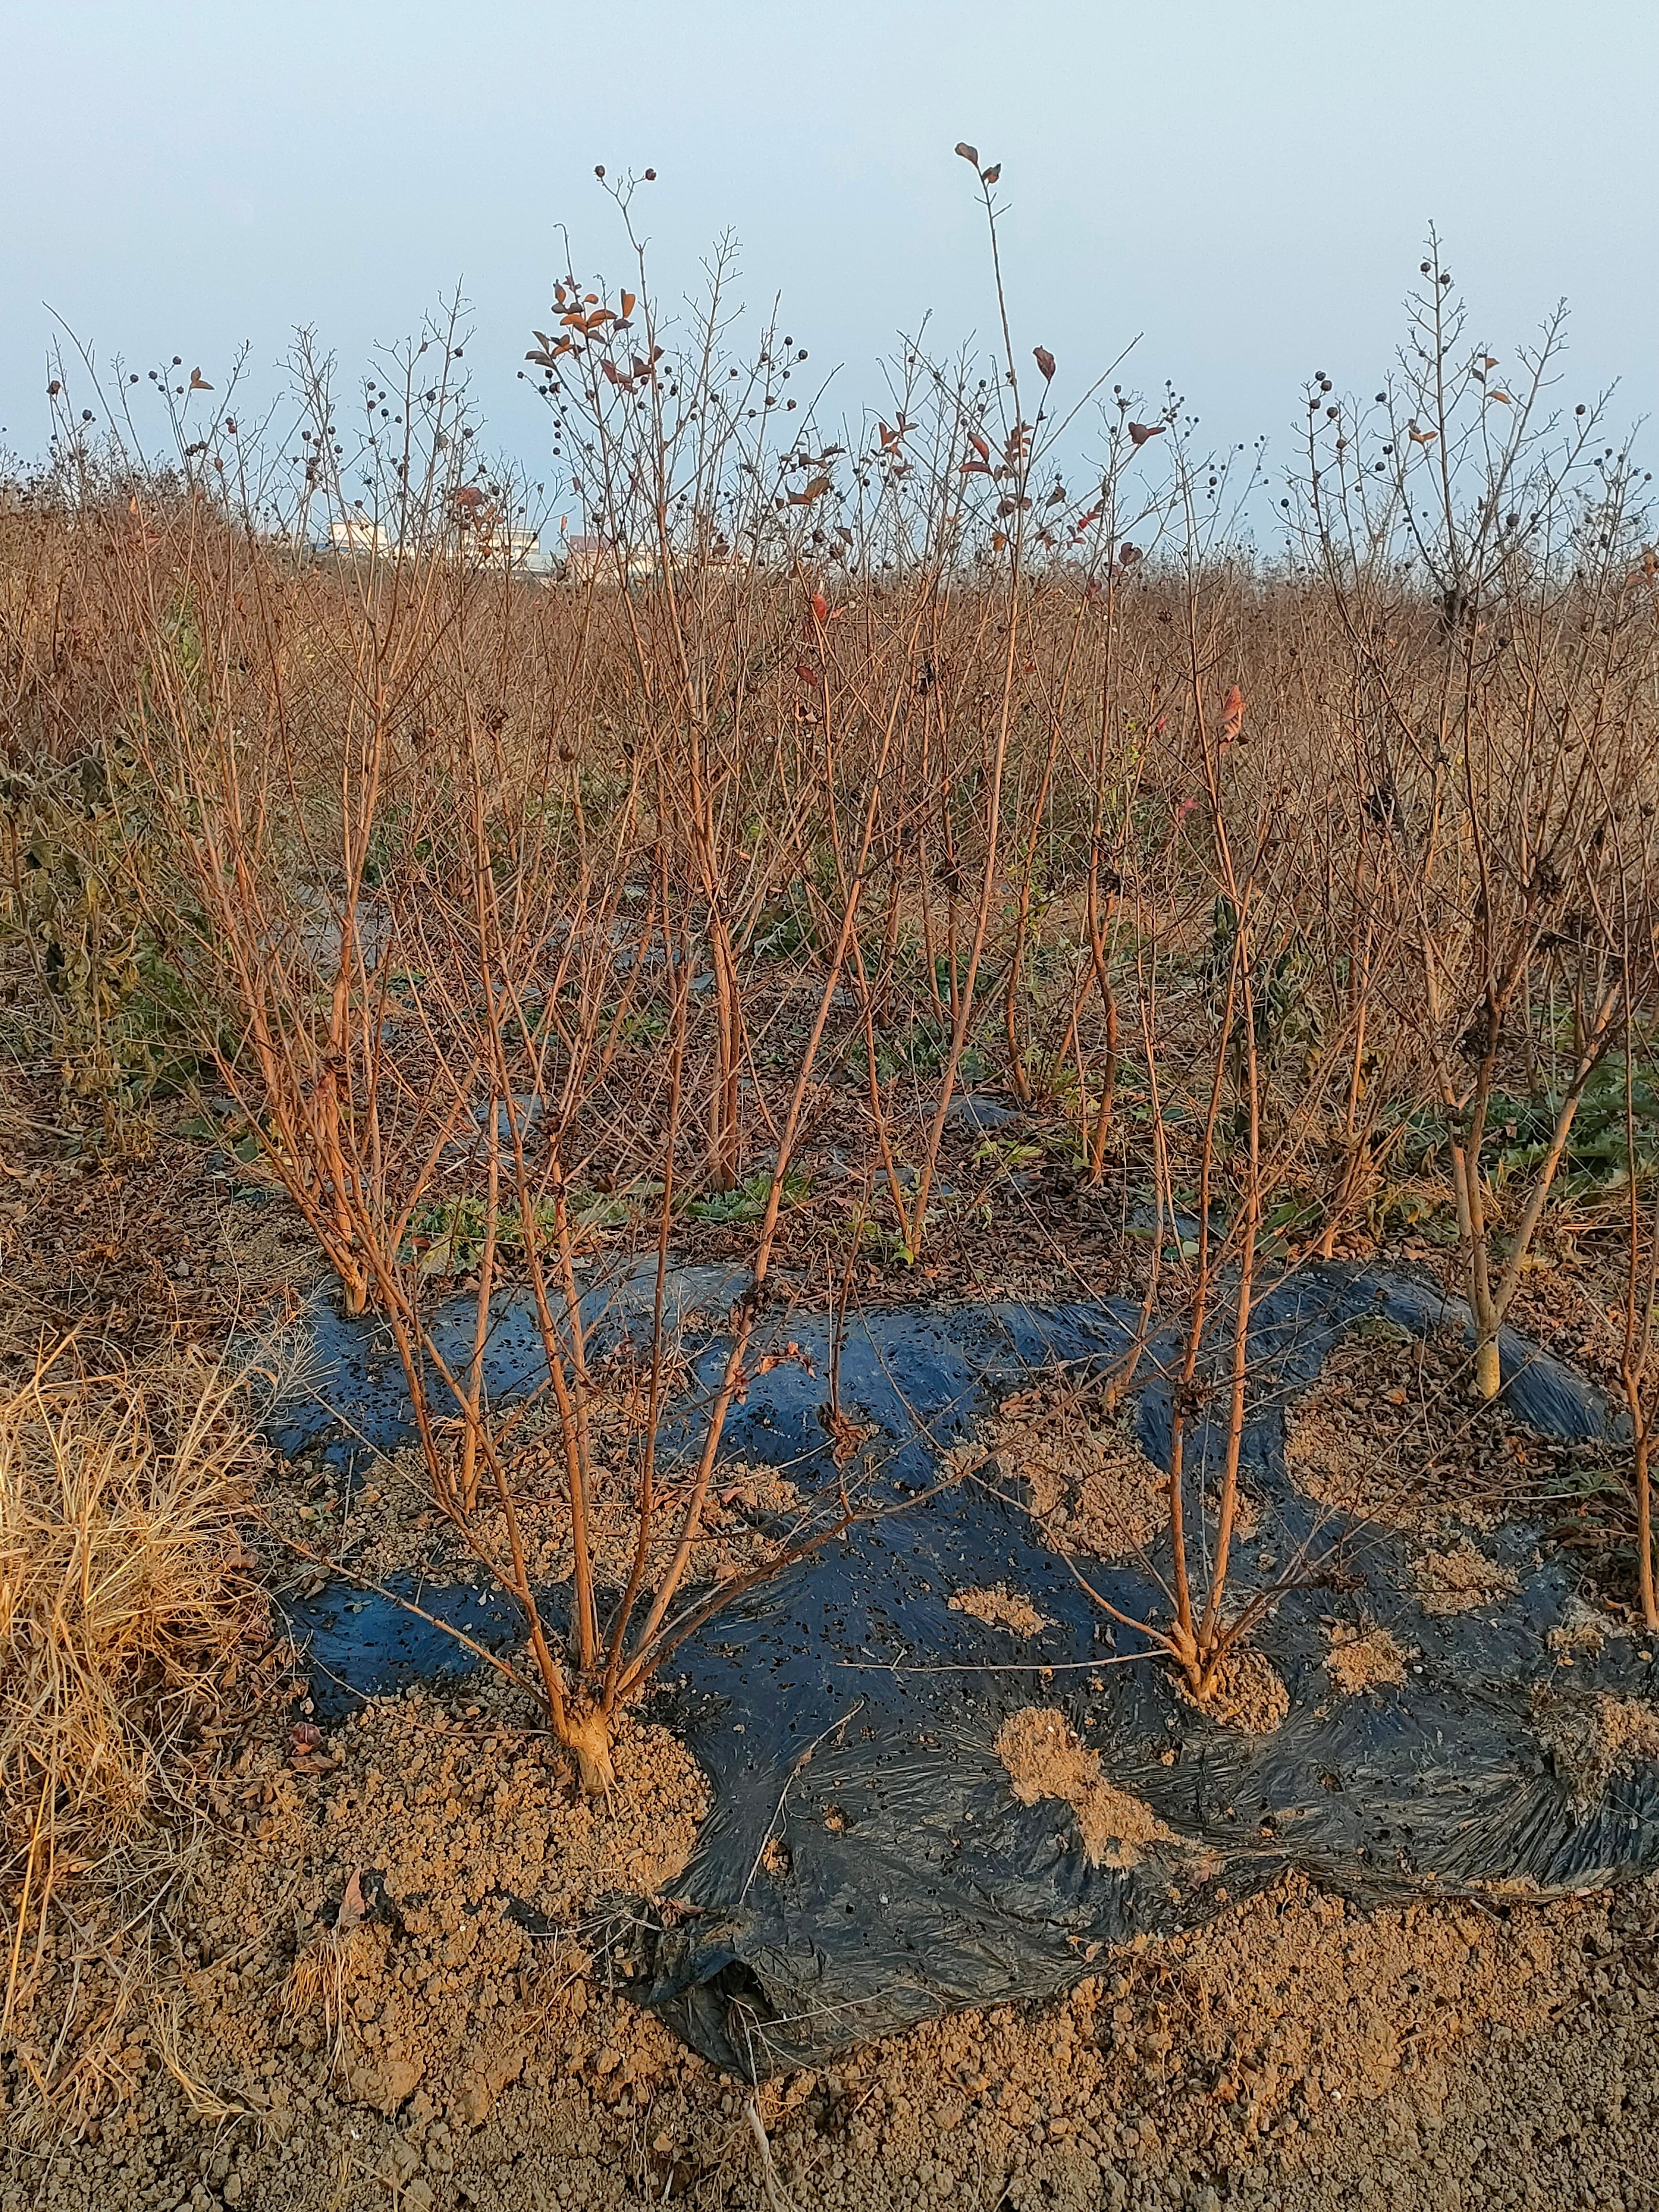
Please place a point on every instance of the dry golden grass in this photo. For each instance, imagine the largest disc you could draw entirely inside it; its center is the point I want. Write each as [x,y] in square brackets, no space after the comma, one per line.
[126,1607]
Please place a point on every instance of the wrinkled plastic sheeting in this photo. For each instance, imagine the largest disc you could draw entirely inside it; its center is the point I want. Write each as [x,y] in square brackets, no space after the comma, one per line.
[350,1400]
[866,1864]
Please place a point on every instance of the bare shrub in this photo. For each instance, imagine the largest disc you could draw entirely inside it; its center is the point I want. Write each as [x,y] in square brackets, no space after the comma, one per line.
[844,767]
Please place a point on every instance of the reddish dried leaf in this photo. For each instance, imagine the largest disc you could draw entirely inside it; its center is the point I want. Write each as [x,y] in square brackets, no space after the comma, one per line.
[352,1905]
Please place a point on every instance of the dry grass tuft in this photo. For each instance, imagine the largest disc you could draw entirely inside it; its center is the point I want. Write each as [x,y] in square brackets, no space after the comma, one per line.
[126,1607]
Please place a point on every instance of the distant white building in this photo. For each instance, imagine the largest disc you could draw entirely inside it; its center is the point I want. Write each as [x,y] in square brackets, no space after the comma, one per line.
[589,557]
[512,548]
[483,540]
[357,534]
[489,537]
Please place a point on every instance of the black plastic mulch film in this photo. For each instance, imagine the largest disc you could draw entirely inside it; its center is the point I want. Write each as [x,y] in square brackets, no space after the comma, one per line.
[866,1864]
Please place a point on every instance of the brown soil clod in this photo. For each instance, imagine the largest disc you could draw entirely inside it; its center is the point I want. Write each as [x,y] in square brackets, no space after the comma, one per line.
[1592,1738]
[1001,1608]
[1391,1434]
[1364,1657]
[1462,1580]
[1045,1759]
[1584,1630]
[1093,1487]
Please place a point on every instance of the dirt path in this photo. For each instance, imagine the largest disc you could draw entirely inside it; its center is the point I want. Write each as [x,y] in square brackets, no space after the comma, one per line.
[396,1999]
[390,1991]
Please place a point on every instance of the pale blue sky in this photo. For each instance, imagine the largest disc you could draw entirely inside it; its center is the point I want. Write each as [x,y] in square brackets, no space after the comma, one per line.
[1247,183]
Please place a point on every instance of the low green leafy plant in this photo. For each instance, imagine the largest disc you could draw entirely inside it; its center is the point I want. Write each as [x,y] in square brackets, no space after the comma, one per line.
[1599,1153]
[447,1236]
[923,1049]
[747,1201]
